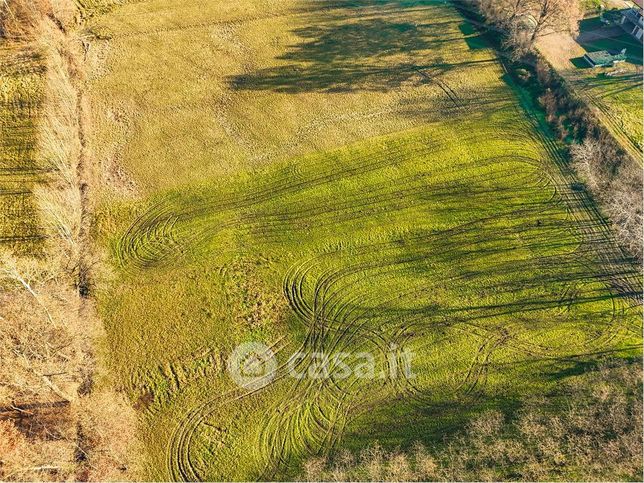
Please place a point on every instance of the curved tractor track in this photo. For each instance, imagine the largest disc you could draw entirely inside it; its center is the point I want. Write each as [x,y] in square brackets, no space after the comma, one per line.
[338,293]
[464,243]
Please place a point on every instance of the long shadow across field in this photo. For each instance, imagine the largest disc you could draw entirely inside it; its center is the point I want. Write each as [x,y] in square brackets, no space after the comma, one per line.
[373,46]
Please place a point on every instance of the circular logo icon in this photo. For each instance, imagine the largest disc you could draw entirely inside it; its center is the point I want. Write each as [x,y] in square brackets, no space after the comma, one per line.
[252,365]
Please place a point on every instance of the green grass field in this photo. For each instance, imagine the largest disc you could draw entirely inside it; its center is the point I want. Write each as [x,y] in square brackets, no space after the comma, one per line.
[343,176]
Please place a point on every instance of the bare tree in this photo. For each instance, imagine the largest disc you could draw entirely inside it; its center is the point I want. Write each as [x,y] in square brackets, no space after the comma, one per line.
[524,21]
[617,184]
[518,40]
[107,425]
[588,159]
[504,12]
[554,16]
[24,274]
[24,459]
[625,210]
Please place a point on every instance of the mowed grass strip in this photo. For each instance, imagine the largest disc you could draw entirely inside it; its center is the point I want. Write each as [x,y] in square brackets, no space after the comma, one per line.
[308,180]
[21,90]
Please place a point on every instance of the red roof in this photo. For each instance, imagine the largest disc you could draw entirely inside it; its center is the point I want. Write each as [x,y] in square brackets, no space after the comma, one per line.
[638,3]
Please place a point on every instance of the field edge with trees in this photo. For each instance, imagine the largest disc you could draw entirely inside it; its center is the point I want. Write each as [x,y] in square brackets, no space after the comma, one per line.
[611,175]
[59,418]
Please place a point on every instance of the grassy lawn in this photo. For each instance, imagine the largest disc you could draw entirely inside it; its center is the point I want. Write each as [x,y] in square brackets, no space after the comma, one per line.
[338,177]
[618,98]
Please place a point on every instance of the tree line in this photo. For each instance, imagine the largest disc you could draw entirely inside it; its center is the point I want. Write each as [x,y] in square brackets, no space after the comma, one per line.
[590,430]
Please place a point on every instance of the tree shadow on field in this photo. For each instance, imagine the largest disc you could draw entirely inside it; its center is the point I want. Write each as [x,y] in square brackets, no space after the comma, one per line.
[369,45]
[401,423]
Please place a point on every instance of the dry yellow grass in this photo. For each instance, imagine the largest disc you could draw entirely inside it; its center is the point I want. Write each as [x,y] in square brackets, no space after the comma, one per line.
[54,425]
[196,91]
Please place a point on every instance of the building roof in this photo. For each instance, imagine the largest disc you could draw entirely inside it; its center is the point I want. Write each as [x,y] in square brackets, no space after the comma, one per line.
[605,57]
[638,3]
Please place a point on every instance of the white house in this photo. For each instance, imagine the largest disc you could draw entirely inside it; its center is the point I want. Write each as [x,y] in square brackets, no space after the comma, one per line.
[632,20]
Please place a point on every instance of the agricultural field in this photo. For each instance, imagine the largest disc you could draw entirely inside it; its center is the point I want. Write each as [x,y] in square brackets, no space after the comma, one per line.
[333,177]
[614,93]
[21,83]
